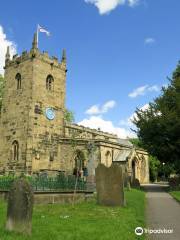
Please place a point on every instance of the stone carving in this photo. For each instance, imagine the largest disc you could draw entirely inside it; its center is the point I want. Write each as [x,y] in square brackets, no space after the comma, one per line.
[109,185]
[20,207]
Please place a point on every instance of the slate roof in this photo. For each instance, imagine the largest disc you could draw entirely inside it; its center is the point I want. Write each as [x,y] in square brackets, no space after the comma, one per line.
[122,155]
[125,142]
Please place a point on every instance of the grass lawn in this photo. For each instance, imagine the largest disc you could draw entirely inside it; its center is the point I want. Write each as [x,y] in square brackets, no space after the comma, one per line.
[176,195]
[86,221]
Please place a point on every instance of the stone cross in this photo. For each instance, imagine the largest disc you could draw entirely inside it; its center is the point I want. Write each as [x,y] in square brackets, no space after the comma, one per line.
[90,180]
[109,185]
[20,207]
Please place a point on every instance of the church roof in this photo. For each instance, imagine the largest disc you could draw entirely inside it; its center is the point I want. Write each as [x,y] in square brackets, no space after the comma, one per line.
[122,155]
[125,142]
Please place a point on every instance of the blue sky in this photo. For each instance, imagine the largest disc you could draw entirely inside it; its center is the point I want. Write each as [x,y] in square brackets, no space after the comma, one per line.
[119,52]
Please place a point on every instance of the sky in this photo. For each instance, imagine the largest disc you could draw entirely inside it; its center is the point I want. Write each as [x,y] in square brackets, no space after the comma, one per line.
[119,52]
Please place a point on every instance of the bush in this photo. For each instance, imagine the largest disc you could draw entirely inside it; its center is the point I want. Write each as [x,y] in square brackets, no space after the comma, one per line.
[174,183]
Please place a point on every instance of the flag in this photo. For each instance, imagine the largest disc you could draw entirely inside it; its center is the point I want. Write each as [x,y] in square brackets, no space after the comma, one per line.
[41,29]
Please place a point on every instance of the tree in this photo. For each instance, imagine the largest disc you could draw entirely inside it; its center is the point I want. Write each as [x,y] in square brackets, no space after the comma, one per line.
[69,116]
[154,164]
[1,89]
[158,127]
[136,142]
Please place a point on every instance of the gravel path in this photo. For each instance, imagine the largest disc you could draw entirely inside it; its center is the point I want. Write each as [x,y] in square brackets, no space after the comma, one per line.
[162,212]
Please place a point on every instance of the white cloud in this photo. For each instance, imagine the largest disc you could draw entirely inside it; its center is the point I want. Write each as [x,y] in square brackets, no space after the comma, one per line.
[134,115]
[96,109]
[132,3]
[149,40]
[93,110]
[140,91]
[96,122]
[128,122]
[153,88]
[105,6]
[4,42]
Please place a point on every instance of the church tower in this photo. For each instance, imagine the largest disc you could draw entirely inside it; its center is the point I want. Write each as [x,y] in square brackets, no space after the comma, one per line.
[32,114]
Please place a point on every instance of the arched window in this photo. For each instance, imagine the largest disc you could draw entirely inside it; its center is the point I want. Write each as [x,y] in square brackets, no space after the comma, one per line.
[50,83]
[15,150]
[133,166]
[108,158]
[79,163]
[18,80]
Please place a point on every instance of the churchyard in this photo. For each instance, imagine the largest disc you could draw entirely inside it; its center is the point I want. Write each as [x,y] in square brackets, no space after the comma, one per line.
[85,220]
[110,211]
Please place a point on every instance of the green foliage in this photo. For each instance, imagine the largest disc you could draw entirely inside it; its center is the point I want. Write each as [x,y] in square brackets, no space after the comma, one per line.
[1,89]
[69,116]
[154,164]
[158,127]
[136,142]
[174,183]
[176,195]
[87,220]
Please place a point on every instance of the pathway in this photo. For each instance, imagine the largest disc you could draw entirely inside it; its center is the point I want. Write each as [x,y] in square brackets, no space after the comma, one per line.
[162,212]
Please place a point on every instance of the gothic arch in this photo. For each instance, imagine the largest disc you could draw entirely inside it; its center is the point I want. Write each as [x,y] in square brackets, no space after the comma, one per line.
[108,159]
[133,171]
[79,162]
[15,150]
[18,80]
[50,83]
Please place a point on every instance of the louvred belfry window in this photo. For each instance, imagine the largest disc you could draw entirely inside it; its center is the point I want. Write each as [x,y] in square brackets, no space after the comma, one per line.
[15,149]
[50,83]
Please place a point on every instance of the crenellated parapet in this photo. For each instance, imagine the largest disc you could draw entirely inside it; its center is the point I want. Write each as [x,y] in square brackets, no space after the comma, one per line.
[35,53]
[78,131]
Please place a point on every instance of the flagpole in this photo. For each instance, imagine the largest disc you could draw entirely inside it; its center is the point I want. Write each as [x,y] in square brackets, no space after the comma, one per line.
[37,34]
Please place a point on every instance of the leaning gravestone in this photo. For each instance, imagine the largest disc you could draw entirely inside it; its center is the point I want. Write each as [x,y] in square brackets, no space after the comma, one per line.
[109,185]
[20,207]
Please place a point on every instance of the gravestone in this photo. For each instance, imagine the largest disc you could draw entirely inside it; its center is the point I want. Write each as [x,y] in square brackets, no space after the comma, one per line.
[109,185]
[135,183]
[20,207]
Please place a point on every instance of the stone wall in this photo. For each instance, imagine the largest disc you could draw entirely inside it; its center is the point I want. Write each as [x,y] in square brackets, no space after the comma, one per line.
[51,145]
[23,113]
[15,113]
[140,160]
[55,197]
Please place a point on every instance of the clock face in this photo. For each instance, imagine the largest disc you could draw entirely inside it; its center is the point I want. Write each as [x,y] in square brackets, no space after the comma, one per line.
[50,113]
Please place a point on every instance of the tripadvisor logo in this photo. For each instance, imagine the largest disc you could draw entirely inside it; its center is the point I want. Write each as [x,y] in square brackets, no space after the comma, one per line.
[139,231]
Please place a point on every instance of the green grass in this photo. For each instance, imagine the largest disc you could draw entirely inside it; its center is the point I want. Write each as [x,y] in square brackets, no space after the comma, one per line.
[176,195]
[85,221]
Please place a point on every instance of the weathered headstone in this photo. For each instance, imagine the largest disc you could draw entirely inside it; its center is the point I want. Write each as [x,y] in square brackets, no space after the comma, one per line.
[135,183]
[20,207]
[109,185]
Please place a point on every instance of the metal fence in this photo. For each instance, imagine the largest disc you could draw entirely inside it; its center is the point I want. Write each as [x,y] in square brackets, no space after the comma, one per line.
[59,183]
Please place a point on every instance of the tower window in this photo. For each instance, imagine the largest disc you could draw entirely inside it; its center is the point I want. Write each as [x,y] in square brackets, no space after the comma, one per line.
[18,80]
[15,150]
[50,83]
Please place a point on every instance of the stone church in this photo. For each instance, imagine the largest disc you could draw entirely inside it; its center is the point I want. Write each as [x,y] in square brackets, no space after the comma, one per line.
[34,135]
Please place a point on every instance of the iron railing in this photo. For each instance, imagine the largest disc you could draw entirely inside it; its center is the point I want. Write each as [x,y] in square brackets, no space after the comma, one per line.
[59,183]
